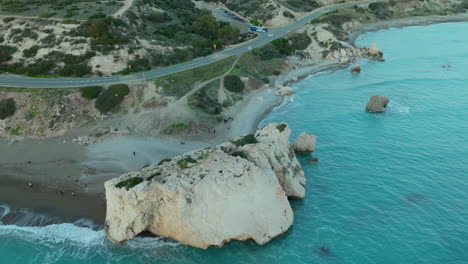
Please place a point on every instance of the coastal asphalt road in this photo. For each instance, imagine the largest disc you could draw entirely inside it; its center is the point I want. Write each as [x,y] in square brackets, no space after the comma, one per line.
[262,39]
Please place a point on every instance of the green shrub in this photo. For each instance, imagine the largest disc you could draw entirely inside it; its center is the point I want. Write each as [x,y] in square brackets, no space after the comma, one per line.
[164,161]
[175,129]
[300,41]
[75,70]
[464,4]
[283,46]
[8,19]
[158,17]
[266,52]
[120,90]
[249,139]
[281,127]
[130,183]
[109,99]
[183,163]
[206,101]
[286,13]
[7,108]
[239,153]
[31,52]
[103,30]
[6,53]
[90,92]
[339,19]
[154,175]
[233,83]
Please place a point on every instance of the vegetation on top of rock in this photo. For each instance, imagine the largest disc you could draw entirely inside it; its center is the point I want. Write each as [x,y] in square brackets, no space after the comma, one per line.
[249,139]
[130,183]
[154,175]
[7,108]
[239,153]
[184,162]
[164,161]
[281,127]
[90,92]
[233,83]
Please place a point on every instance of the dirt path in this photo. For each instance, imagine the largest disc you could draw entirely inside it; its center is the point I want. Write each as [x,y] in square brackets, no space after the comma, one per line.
[183,100]
[125,7]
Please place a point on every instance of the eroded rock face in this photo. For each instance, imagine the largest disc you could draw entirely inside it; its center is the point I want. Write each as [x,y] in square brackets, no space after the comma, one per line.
[234,191]
[377,104]
[305,143]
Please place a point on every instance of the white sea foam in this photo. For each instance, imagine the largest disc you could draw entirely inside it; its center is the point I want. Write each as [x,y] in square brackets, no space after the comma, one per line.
[396,108]
[79,235]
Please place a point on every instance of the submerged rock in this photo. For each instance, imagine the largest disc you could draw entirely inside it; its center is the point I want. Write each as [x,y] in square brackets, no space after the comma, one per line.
[356,69]
[377,104]
[235,191]
[313,161]
[305,143]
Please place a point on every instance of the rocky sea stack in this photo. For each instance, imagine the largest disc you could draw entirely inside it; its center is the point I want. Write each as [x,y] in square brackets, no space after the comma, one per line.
[377,104]
[234,191]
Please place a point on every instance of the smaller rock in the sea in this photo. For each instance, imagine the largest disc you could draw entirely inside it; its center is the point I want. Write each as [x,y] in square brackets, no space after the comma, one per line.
[356,69]
[305,143]
[375,53]
[373,50]
[377,104]
[30,185]
[285,91]
[313,161]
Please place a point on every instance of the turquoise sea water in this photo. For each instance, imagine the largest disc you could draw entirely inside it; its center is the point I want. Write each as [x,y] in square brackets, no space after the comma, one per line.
[389,188]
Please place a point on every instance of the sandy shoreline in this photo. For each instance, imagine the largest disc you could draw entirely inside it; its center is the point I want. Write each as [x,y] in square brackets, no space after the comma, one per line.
[59,168]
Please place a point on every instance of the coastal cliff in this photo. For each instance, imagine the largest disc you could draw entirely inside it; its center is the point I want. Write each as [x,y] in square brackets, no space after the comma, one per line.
[234,191]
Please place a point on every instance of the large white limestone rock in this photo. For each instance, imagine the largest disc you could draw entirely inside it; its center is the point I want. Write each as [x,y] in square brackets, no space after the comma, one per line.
[233,191]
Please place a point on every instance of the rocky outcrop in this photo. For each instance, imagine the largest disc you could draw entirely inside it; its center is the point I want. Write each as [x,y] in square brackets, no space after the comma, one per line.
[305,143]
[375,53]
[234,191]
[377,104]
[285,91]
[373,50]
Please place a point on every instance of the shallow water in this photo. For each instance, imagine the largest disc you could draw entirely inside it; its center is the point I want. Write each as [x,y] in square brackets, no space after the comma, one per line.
[389,188]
